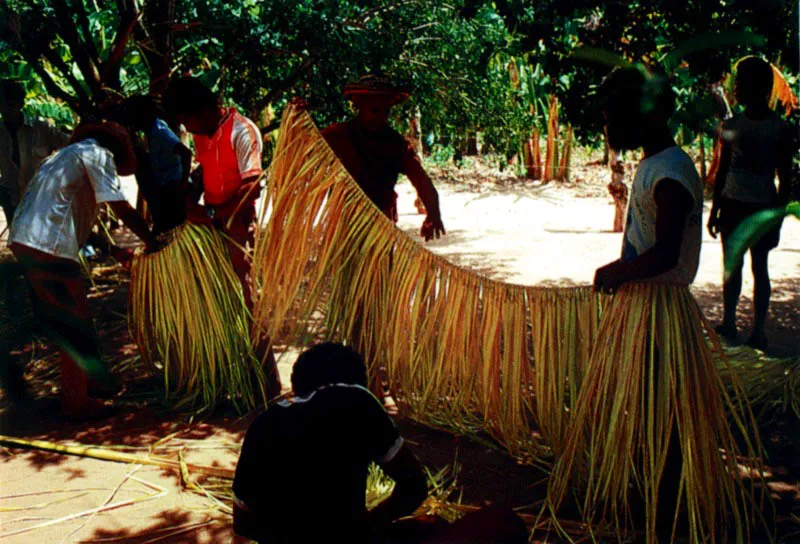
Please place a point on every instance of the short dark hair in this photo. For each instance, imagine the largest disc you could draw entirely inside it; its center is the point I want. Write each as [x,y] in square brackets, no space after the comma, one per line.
[327,363]
[651,91]
[756,74]
[189,96]
[11,90]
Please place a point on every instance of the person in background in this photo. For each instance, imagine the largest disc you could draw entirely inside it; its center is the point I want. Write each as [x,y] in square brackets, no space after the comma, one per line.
[228,147]
[164,175]
[53,221]
[302,471]
[375,154]
[755,144]
[24,144]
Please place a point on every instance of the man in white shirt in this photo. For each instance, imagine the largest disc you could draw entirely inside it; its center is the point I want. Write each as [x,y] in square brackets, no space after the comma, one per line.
[24,144]
[52,222]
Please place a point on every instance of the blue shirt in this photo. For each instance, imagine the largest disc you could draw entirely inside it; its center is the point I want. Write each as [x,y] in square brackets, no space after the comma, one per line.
[164,161]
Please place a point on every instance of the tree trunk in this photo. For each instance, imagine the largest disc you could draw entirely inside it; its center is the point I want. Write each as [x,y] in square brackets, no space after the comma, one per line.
[566,154]
[536,150]
[605,158]
[415,131]
[618,189]
[703,172]
[551,151]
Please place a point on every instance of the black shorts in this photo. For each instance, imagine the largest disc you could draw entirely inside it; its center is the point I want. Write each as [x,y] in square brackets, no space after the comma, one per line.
[733,212]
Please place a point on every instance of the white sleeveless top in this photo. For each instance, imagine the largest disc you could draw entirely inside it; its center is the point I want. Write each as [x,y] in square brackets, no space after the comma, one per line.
[754,158]
[640,229]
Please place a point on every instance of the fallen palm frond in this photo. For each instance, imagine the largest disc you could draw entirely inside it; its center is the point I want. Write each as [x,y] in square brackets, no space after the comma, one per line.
[110,454]
[771,385]
[654,381]
[188,317]
[477,356]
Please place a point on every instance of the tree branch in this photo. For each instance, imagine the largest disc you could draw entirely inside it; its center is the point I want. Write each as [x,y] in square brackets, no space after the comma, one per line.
[83,21]
[66,71]
[111,67]
[69,33]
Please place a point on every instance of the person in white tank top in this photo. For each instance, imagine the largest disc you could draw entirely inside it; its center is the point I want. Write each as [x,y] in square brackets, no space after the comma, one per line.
[755,145]
[661,242]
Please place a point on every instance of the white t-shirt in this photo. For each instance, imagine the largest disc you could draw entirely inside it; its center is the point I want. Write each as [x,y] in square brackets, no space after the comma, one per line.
[61,202]
[640,229]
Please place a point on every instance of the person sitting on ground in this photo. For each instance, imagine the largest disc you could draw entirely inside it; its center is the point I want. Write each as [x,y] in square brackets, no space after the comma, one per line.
[164,176]
[754,145]
[24,144]
[375,154]
[661,241]
[53,221]
[309,459]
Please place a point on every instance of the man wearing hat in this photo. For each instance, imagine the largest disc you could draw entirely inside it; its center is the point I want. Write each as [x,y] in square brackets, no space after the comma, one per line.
[52,222]
[375,154]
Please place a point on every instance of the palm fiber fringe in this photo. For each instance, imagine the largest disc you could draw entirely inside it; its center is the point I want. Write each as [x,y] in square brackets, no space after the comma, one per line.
[535,368]
[188,317]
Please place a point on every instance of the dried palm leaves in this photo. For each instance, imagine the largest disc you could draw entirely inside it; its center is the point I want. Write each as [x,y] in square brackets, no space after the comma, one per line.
[543,371]
[187,315]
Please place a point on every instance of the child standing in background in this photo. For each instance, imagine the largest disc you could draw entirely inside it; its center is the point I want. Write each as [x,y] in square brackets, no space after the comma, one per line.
[755,144]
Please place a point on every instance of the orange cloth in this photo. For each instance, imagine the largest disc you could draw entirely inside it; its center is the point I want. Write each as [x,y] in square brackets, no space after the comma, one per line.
[228,157]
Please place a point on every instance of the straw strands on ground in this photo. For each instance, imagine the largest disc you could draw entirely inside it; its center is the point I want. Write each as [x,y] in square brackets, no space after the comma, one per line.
[534,368]
[188,317]
[771,385]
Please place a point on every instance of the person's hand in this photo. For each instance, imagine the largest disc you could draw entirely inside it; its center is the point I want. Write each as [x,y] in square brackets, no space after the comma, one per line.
[713,223]
[607,279]
[432,228]
[197,214]
[248,191]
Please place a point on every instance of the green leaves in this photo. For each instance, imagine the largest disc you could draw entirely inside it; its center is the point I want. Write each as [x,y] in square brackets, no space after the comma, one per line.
[751,230]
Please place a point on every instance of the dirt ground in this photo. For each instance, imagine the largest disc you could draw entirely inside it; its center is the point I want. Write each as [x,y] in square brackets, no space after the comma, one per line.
[507,229]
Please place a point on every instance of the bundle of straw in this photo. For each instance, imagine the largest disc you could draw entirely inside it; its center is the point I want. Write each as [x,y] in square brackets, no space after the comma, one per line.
[188,317]
[473,355]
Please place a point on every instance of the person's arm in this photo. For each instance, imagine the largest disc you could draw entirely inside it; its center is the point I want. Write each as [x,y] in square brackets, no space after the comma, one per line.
[185,155]
[432,227]
[786,150]
[719,183]
[410,488]
[673,205]
[134,221]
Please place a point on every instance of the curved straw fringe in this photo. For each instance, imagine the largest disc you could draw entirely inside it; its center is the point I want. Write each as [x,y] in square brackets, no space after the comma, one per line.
[472,355]
[188,314]
[451,342]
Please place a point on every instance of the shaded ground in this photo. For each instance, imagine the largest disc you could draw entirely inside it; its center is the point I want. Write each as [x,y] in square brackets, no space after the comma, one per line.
[513,231]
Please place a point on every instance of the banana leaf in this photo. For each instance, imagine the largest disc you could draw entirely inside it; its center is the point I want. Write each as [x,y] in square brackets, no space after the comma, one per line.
[751,231]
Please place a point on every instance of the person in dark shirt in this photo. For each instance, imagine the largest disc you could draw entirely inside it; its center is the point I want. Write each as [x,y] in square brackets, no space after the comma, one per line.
[375,154]
[302,472]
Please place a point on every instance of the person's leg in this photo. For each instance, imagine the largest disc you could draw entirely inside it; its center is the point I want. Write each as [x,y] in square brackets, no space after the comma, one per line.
[731,290]
[61,304]
[762,290]
[240,235]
